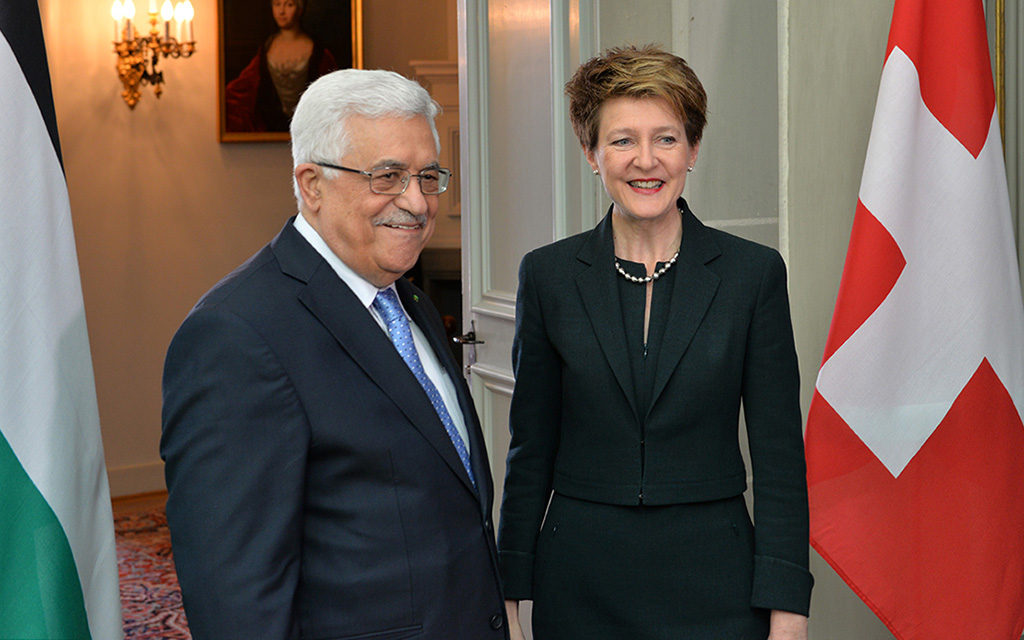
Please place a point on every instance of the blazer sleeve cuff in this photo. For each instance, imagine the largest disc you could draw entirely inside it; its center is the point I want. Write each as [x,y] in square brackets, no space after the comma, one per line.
[516,570]
[781,585]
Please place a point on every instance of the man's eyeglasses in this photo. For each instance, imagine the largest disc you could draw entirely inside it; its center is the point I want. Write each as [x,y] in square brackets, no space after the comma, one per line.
[388,181]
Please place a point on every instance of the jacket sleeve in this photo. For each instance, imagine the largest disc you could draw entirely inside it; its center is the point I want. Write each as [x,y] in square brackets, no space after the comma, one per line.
[534,420]
[234,441]
[771,407]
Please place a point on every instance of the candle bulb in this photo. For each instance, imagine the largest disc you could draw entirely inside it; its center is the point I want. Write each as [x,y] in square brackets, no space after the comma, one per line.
[179,18]
[116,12]
[129,14]
[167,12]
[190,13]
[152,7]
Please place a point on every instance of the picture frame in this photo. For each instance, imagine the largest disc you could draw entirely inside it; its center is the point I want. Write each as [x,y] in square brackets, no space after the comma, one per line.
[264,67]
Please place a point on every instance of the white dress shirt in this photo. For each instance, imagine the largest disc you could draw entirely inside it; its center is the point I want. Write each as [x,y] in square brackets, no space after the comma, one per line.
[366,292]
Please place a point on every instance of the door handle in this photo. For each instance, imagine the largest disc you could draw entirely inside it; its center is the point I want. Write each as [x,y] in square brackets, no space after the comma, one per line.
[467,338]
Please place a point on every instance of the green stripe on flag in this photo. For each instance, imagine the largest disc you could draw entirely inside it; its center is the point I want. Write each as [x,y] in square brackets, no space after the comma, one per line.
[40,594]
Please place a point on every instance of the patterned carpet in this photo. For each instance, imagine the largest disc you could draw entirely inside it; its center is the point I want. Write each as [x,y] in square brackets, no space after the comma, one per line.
[150,597]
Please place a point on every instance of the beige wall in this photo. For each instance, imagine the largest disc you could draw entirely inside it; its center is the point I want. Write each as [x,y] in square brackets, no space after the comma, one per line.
[161,209]
[397,31]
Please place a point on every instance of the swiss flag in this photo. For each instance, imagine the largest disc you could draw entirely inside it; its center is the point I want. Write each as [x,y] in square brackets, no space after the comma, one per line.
[915,442]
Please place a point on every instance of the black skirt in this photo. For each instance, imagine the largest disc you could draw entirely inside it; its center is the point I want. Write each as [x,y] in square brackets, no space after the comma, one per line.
[676,572]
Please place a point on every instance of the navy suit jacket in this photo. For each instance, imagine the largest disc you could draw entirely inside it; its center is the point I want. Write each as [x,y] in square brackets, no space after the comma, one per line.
[313,491]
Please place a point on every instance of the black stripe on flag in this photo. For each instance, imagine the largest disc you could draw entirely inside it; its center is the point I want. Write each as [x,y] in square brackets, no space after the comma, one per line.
[23,30]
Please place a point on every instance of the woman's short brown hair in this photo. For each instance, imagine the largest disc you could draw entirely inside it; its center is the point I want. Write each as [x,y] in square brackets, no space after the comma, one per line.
[632,72]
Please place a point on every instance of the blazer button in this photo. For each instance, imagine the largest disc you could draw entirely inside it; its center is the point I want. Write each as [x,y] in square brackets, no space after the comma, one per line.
[497,621]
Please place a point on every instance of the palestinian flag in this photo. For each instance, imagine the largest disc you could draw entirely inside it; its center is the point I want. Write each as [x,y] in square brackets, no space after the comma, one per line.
[58,568]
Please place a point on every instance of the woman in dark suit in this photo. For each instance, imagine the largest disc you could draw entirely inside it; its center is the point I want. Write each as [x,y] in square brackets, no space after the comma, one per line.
[636,344]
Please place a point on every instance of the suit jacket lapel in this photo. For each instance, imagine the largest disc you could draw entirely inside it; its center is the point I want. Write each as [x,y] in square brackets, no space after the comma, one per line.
[694,289]
[600,293]
[436,339]
[329,299]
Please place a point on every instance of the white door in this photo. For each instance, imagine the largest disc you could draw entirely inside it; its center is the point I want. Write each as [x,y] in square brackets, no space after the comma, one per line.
[521,172]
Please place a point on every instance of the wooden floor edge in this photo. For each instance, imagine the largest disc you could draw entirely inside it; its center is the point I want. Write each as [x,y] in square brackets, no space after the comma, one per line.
[137,500]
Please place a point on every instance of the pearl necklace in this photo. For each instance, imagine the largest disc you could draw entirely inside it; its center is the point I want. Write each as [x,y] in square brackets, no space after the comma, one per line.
[654,276]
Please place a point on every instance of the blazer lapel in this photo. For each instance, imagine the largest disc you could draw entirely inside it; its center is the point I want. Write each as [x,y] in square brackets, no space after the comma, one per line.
[329,299]
[694,289]
[411,300]
[600,293]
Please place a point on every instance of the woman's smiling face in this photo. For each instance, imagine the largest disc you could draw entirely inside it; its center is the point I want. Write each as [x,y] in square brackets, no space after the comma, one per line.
[642,155]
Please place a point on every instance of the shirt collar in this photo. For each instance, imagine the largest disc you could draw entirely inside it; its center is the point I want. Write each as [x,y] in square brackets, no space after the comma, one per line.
[365,290]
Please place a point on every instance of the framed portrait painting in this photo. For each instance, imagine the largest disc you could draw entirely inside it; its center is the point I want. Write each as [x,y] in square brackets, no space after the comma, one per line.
[270,50]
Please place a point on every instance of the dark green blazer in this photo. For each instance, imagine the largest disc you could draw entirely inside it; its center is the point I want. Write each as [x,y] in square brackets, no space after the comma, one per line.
[576,424]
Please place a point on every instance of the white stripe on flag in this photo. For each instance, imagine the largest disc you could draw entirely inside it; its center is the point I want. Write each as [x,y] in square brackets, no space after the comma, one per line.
[47,391]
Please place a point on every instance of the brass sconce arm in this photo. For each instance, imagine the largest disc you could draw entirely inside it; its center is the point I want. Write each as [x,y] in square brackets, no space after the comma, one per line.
[138,56]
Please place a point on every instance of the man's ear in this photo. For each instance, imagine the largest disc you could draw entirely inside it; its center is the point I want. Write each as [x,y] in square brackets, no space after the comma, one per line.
[310,183]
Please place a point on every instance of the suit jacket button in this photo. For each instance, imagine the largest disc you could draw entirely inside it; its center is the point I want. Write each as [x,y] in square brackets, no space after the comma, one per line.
[497,621]
[487,525]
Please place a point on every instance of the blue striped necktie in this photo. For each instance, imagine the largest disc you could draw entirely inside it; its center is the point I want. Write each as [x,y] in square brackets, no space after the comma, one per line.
[387,305]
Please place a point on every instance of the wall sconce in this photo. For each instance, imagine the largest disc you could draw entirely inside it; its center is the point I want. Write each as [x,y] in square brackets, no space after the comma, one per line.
[138,54]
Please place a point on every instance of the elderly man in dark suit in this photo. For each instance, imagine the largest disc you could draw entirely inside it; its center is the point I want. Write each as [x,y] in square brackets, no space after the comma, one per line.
[326,470]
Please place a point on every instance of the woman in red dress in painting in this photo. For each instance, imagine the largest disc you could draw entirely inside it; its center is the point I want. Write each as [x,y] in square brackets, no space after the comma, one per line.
[264,95]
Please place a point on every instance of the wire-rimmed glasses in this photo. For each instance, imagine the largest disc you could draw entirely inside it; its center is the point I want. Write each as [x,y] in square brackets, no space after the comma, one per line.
[391,181]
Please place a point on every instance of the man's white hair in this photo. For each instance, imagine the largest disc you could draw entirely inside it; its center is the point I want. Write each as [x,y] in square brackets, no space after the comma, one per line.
[319,126]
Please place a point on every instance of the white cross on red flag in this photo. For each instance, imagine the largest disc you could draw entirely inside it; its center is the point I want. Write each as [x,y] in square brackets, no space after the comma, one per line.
[915,440]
